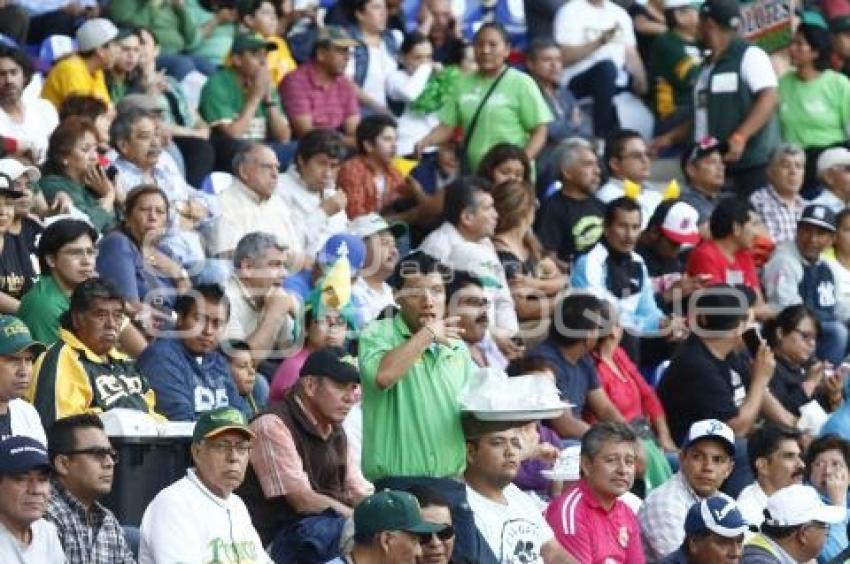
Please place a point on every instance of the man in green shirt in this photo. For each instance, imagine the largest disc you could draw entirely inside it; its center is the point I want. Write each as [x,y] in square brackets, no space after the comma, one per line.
[66,255]
[413,368]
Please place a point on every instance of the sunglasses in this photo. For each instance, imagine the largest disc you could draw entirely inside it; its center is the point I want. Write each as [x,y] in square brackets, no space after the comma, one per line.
[444,534]
[98,453]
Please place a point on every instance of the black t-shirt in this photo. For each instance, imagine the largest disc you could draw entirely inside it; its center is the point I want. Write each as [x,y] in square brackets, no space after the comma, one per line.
[513,265]
[5,425]
[568,226]
[787,387]
[17,274]
[697,385]
[30,230]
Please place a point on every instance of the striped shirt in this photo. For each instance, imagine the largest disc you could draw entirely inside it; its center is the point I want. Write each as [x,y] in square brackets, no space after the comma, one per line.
[591,533]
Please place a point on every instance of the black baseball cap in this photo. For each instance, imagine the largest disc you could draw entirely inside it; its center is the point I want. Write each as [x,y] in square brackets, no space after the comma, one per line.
[727,13]
[333,363]
[820,216]
[839,24]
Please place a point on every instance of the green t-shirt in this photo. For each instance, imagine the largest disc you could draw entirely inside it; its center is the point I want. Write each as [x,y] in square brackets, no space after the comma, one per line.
[83,199]
[814,113]
[41,308]
[216,46]
[222,100]
[513,110]
[673,69]
[412,428]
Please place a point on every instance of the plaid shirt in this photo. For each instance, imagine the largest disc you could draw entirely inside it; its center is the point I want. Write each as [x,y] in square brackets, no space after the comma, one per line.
[93,536]
[779,218]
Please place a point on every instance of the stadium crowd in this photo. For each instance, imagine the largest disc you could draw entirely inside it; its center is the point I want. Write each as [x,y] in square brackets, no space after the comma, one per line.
[315,229]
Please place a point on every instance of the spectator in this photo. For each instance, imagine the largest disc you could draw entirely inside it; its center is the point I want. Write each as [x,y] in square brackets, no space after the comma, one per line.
[389,515]
[714,529]
[704,173]
[323,329]
[218,24]
[86,353]
[309,187]
[779,203]
[570,222]
[17,350]
[371,182]
[241,103]
[466,298]
[254,391]
[720,391]
[798,381]
[25,536]
[374,54]
[613,270]
[504,162]
[520,118]
[840,42]
[17,273]
[827,461]
[624,385]
[814,97]
[260,309]
[583,517]
[795,527]
[123,75]
[99,113]
[251,204]
[188,373]
[134,260]
[435,509]
[573,333]
[833,168]
[28,208]
[725,258]
[72,169]
[26,122]
[534,279]
[545,65]
[307,282]
[796,273]
[774,454]
[628,159]
[507,517]
[438,23]
[318,95]
[289,490]
[174,29]
[260,16]
[674,59]
[470,222]
[142,160]
[417,74]
[84,465]
[705,462]
[394,384]
[197,517]
[371,290]
[66,257]
[597,40]
[743,115]
[57,17]
[839,261]
[82,72]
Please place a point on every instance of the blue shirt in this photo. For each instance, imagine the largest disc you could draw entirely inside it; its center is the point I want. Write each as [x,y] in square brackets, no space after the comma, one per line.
[186,385]
[120,262]
[574,381]
[838,423]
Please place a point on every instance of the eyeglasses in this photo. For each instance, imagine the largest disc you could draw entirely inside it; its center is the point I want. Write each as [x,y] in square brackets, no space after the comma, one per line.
[98,453]
[642,155]
[444,534]
[331,321]
[80,253]
[807,335]
[228,447]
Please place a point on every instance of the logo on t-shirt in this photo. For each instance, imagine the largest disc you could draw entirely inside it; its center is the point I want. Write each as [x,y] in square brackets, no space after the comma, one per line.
[520,542]
[826,294]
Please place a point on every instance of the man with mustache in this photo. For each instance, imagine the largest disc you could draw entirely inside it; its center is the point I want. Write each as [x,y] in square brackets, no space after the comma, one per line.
[775,457]
[187,371]
[84,372]
[84,466]
[17,350]
[467,299]
[706,460]
[25,536]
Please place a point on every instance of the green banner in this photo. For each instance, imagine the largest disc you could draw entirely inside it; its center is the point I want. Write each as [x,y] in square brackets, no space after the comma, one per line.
[767,23]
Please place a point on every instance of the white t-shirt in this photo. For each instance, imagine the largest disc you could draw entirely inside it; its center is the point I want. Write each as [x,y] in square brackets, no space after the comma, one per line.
[515,532]
[40,119]
[186,522]
[579,22]
[381,64]
[44,547]
[371,302]
[26,421]
[751,503]
[756,72]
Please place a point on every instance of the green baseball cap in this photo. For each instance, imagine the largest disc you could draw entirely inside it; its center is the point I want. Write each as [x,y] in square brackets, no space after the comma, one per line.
[250,42]
[15,337]
[839,24]
[391,510]
[218,421]
[336,36]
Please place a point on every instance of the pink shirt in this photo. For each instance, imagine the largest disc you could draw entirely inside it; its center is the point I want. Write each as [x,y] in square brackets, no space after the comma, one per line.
[592,534]
[287,374]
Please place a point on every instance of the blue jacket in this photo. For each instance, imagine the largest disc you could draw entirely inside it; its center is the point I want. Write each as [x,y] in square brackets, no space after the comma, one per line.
[361,52]
[185,388]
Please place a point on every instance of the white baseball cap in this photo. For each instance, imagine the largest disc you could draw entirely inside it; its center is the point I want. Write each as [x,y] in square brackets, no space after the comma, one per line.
[680,224]
[95,33]
[798,504]
[837,156]
[671,4]
[371,223]
[711,429]
[14,168]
